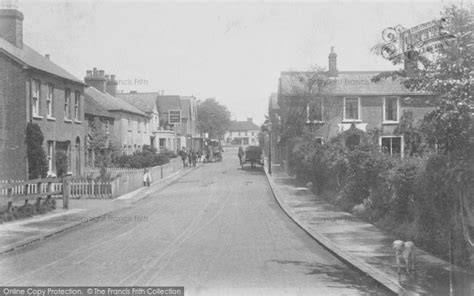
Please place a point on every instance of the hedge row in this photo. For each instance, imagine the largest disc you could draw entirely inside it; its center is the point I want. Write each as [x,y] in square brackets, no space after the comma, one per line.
[408,197]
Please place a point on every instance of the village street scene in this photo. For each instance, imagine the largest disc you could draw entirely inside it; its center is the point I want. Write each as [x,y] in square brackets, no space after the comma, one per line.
[236,148]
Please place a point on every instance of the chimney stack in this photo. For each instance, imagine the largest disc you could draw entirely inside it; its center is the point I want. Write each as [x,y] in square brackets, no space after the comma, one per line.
[112,85]
[11,26]
[332,63]
[96,79]
[47,56]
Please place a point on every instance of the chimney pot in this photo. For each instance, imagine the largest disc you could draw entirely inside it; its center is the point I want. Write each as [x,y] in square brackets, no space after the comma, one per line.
[89,73]
[47,56]
[94,71]
[101,73]
[112,77]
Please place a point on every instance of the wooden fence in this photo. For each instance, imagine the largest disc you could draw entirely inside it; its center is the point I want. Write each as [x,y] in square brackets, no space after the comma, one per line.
[15,191]
[26,191]
[94,171]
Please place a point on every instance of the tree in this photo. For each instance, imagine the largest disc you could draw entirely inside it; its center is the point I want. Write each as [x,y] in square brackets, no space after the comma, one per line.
[213,118]
[302,97]
[448,75]
[37,164]
[100,145]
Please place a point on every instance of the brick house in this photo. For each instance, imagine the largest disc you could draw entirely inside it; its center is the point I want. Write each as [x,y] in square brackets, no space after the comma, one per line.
[242,133]
[34,89]
[353,105]
[131,128]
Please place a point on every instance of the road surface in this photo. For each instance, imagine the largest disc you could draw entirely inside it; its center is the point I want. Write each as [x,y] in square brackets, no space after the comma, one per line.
[216,231]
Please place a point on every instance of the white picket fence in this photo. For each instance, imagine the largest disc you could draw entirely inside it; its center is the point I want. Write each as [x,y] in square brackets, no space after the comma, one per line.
[81,187]
[94,171]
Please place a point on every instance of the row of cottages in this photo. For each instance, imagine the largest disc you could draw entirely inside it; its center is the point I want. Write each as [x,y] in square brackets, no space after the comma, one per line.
[166,135]
[242,133]
[34,89]
[352,105]
[130,128]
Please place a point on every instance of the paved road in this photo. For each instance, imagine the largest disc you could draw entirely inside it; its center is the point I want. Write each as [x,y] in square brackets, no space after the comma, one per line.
[216,231]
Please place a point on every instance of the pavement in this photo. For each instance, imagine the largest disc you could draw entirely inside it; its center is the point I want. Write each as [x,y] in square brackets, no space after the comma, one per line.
[20,233]
[364,246]
[216,231]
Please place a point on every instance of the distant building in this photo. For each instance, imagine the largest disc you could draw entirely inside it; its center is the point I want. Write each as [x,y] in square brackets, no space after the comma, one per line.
[161,137]
[34,89]
[131,129]
[242,133]
[353,105]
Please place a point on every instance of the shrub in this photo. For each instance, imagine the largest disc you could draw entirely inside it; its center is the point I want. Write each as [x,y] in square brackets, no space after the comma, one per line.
[37,164]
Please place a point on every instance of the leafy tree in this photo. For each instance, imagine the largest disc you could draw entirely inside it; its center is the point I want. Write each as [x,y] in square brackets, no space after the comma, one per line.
[37,164]
[213,118]
[301,101]
[100,145]
[448,75]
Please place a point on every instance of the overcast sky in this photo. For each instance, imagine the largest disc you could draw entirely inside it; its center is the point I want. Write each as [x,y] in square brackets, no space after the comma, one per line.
[231,51]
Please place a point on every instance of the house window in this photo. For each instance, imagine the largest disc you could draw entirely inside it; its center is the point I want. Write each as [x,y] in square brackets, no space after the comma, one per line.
[77,97]
[162,143]
[67,99]
[107,126]
[36,97]
[245,133]
[129,124]
[49,101]
[351,109]
[391,145]
[391,106]
[139,124]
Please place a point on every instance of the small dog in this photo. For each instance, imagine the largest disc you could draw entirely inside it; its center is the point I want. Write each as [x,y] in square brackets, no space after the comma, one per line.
[405,251]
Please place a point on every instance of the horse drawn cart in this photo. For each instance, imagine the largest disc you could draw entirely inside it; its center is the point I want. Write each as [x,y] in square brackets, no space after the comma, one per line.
[253,155]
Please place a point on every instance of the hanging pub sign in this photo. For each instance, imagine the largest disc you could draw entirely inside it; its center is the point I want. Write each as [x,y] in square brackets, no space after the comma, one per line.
[174,116]
[428,37]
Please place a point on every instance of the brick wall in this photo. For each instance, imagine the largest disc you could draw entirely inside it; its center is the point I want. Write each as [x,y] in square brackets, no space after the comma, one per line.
[13,119]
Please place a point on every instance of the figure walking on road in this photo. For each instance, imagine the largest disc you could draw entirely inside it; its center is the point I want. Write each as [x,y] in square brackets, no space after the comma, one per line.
[240,154]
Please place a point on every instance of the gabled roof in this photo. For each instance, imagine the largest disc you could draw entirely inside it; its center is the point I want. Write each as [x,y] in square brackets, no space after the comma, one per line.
[93,108]
[112,103]
[347,83]
[166,103]
[143,101]
[236,126]
[31,58]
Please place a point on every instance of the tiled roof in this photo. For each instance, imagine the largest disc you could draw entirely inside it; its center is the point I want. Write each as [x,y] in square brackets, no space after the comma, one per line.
[236,126]
[166,103]
[32,58]
[143,101]
[93,108]
[112,103]
[347,83]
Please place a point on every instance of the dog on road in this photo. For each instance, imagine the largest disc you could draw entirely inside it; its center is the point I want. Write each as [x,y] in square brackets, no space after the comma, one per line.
[404,251]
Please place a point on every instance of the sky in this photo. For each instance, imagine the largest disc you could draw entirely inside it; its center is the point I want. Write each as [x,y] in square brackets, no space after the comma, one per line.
[231,51]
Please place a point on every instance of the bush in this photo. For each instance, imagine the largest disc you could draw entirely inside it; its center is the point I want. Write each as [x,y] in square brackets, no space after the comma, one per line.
[37,164]
[143,159]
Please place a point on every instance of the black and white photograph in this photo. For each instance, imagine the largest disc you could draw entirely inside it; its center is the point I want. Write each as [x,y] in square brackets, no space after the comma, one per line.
[244,147]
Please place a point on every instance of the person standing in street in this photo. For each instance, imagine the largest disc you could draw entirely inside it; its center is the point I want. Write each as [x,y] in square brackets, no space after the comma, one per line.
[146,178]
